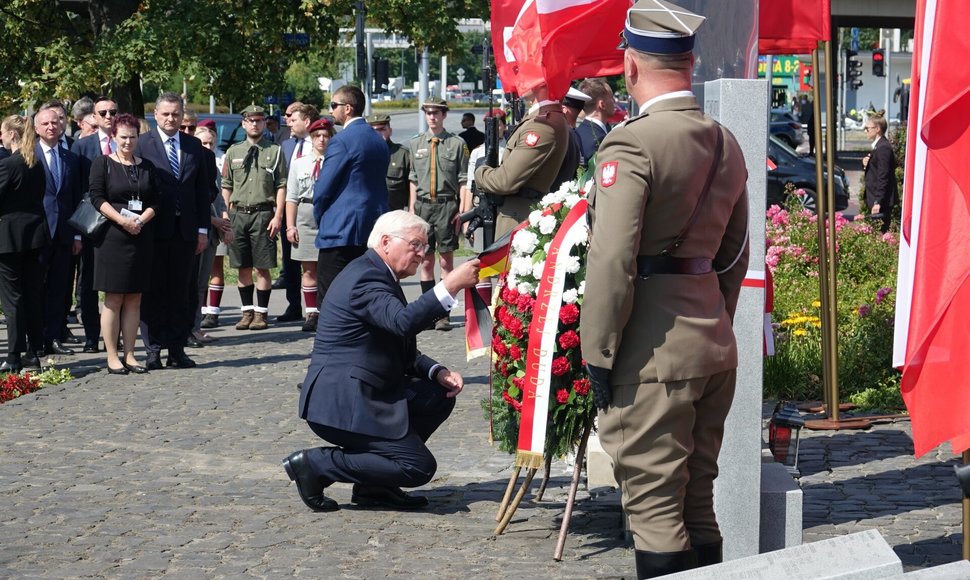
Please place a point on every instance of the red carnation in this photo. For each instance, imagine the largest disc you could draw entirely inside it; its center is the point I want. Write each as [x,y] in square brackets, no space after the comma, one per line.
[562,396]
[519,382]
[569,313]
[569,339]
[513,325]
[524,302]
[515,352]
[511,401]
[499,347]
[581,386]
[505,369]
[510,294]
[560,366]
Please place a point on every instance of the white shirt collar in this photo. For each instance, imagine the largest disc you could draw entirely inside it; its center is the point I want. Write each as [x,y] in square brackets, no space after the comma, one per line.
[597,122]
[351,120]
[102,135]
[876,141]
[165,138]
[46,149]
[664,97]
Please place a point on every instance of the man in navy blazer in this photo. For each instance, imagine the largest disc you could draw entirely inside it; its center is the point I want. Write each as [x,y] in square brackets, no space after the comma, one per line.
[62,194]
[351,191]
[368,390]
[181,233]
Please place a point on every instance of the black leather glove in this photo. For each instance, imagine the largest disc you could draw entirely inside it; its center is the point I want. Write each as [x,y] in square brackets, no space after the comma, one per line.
[599,380]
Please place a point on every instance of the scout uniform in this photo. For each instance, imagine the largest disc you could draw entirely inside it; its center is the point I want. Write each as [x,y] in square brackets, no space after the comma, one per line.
[399,169]
[438,168]
[533,158]
[253,173]
[656,325]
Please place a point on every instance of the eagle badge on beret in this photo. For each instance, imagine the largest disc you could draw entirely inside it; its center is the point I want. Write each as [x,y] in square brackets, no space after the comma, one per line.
[608,173]
[531,138]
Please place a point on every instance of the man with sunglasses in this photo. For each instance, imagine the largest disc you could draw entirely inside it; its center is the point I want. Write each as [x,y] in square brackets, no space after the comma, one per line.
[88,149]
[351,192]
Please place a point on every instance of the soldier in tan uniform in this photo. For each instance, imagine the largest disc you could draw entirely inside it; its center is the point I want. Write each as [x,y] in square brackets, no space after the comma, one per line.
[532,159]
[662,284]
[398,186]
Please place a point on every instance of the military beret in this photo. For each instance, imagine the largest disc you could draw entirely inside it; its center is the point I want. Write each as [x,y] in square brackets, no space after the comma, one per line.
[322,123]
[379,119]
[575,98]
[252,110]
[659,27]
[207,123]
[434,104]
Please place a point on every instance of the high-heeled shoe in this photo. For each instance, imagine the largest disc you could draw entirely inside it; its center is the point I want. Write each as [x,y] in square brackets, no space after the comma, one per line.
[136,368]
[121,371]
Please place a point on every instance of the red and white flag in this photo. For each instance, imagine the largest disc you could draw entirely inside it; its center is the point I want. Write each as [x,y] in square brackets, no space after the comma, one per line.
[932,344]
[556,41]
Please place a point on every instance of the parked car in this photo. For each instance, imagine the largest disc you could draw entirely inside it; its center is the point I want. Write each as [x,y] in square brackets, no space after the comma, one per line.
[228,127]
[800,173]
[785,126]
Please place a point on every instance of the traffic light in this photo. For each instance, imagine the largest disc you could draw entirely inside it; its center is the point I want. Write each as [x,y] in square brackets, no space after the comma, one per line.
[879,63]
[380,75]
[853,69]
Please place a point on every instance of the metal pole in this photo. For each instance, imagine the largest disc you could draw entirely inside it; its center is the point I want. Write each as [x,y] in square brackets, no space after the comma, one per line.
[842,69]
[369,81]
[832,263]
[966,514]
[444,78]
[422,89]
[887,68]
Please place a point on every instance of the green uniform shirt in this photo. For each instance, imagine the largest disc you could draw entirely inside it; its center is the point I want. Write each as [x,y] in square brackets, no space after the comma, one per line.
[398,172]
[451,164]
[257,181]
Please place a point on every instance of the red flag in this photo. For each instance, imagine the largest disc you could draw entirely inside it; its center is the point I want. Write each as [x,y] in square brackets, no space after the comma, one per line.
[793,26]
[556,41]
[932,343]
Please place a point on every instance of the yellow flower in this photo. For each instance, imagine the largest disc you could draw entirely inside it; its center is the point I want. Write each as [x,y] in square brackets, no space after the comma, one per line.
[816,304]
[800,332]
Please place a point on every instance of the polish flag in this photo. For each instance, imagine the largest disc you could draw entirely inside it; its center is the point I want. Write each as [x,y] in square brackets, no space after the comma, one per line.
[556,41]
[793,26]
[932,344]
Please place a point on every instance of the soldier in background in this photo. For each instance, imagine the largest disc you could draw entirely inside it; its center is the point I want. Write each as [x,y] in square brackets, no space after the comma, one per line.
[398,186]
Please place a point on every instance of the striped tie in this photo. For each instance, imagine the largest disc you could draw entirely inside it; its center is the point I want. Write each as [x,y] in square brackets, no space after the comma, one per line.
[173,157]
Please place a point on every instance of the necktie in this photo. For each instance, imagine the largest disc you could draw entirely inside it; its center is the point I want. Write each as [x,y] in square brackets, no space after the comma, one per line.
[433,186]
[299,149]
[316,168]
[55,168]
[107,146]
[173,157]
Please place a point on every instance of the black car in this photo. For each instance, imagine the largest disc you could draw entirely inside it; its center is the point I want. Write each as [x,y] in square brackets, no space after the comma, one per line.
[800,173]
[786,127]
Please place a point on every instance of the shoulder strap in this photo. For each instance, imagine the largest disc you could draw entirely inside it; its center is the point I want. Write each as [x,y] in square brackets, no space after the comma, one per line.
[718,148]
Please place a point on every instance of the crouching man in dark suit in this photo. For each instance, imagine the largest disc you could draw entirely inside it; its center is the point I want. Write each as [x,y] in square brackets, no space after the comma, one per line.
[368,390]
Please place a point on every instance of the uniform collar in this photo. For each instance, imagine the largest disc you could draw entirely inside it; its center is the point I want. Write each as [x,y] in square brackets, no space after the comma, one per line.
[535,107]
[664,97]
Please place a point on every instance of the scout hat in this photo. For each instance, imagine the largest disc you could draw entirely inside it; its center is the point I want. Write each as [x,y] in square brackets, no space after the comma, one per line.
[322,123]
[575,99]
[379,119]
[252,110]
[434,104]
[659,27]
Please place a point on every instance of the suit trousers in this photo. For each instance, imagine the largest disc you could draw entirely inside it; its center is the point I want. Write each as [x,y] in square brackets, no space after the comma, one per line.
[664,439]
[404,462]
[330,262]
[292,275]
[168,309]
[87,295]
[57,289]
[22,296]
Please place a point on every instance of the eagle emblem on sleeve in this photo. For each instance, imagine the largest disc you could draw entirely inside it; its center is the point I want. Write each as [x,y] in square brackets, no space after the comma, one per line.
[608,173]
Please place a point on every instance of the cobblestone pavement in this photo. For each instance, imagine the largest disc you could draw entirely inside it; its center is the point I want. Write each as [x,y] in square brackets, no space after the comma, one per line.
[177,473]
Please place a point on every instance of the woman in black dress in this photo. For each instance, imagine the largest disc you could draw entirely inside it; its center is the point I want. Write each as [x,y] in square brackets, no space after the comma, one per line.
[123,189]
[23,237]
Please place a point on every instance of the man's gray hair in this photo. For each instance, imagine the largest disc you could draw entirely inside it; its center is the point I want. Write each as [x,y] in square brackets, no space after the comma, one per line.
[82,108]
[169,97]
[396,222]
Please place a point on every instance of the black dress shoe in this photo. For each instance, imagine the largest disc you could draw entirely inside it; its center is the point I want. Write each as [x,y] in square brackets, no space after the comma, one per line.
[290,316]
[153,361]
[309,485]
[32,360]
[179,360]
[55,347]
[121,371]
[11,367]
[137,369]
[90,346]
[381,496]
[67,337]
[193,342]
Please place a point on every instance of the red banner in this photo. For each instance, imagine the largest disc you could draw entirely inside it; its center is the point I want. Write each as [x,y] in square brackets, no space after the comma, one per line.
[793,26]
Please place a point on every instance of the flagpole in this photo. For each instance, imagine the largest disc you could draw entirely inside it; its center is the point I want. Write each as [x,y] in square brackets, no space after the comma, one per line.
[832,264]
[966,513]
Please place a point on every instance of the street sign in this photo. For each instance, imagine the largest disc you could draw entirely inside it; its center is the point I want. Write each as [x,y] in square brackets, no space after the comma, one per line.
[460,73]
[854,45]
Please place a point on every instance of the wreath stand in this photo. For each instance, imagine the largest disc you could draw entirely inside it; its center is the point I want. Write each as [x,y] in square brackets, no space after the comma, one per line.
[506,509]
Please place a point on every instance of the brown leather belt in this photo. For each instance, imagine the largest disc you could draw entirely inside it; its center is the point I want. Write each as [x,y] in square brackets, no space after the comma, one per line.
[268,206]
[650,265]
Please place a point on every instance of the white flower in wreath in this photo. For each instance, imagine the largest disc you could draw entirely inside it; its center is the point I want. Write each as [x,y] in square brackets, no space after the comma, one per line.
[547,224]
[552,198]
[525,242]
[545,247]
[537,269]
[582,288]
[534,218]
[525,288]
[521,266]
[511,280]
[570,296]
[571,264]
[588,187]
[571,200]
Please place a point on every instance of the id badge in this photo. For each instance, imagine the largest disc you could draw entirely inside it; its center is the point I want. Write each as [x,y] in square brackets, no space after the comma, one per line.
[134,205]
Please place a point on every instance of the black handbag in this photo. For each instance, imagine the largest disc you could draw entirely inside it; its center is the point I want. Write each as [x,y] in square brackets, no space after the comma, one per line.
[87,220]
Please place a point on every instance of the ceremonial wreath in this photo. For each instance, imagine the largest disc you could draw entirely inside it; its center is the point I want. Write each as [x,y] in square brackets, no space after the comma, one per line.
[540,402]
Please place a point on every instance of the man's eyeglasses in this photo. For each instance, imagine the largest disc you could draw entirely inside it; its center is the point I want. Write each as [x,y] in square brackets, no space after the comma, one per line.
[867,129]
[188,127]
[335,104]
[415,244]
[107,112]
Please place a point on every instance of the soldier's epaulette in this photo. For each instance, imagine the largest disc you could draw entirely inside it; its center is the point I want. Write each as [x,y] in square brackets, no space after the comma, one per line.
[632,119]
[545,116]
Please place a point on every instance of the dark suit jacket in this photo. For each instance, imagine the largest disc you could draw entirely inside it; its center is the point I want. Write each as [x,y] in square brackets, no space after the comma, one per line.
[365,352]
[351,192]
[473,137]
[590,136]
[191,188]
[87,149]
[23,223]
[881,177]
[288,145]
[65,200]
